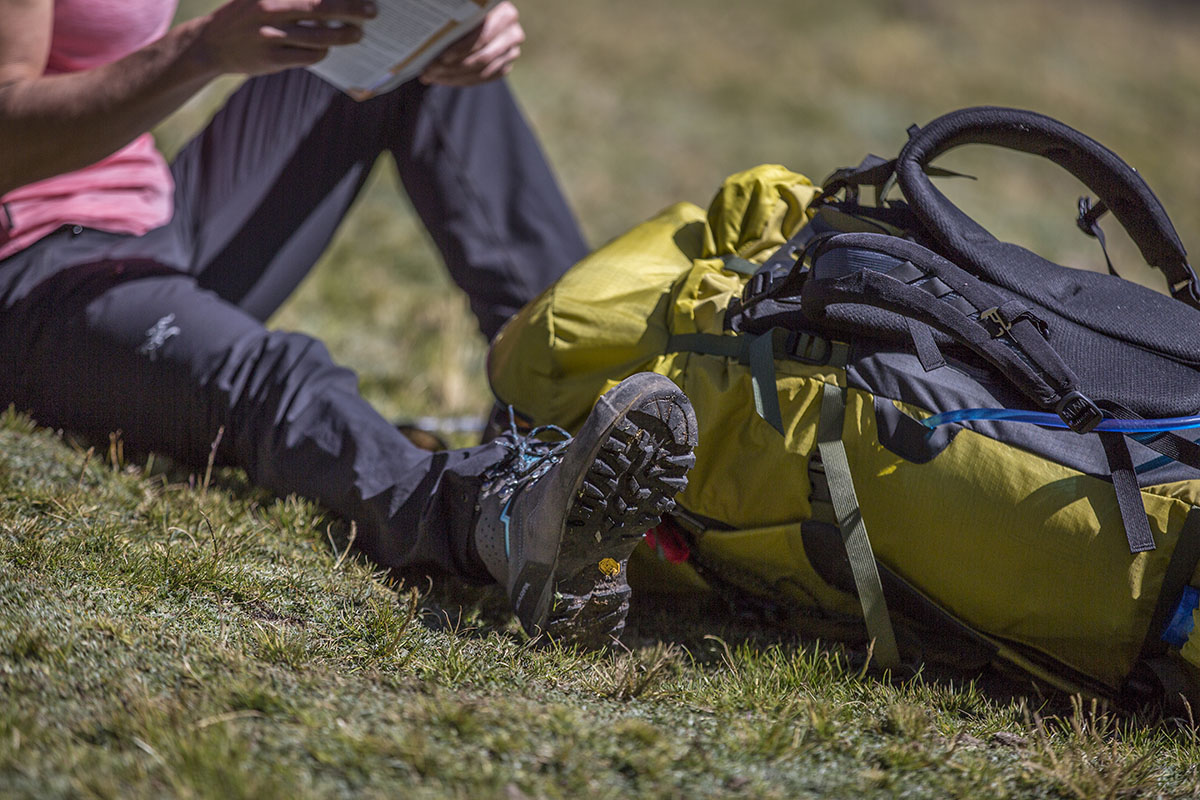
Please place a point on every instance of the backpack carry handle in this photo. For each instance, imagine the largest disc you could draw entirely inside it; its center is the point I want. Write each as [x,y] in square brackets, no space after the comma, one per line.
[1120,188]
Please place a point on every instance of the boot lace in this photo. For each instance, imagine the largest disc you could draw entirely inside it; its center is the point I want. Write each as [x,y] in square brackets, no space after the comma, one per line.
[529,456]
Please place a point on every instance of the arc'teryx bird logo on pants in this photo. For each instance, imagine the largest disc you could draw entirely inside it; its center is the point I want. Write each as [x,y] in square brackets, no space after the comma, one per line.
[157,335]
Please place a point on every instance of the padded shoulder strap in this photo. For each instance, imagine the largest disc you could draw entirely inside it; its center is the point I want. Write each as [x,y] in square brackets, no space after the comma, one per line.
[908,279]
[1119,187]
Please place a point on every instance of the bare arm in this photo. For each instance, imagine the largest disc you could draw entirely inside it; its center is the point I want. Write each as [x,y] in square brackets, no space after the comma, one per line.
[54,124]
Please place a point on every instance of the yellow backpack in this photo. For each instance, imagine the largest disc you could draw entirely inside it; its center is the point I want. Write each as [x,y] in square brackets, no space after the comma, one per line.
[855,457]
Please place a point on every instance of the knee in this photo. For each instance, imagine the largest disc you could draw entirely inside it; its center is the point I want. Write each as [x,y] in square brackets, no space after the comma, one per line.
[280,369]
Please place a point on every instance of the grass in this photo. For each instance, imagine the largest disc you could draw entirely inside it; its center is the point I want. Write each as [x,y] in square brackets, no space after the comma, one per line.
[164,639]
[165,634]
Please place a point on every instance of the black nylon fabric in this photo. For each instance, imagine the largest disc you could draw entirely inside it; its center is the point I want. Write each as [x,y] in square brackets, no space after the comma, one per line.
[909,279]
[1106,368]
[1105,304]
[899,297]
[1083,302]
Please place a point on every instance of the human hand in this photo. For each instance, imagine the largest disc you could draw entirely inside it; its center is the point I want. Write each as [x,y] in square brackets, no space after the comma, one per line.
[484,54]
[255,37]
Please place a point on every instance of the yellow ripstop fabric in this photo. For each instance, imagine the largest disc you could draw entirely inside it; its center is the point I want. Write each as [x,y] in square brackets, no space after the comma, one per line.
[601,322]
[757,210]
[1019,547]
[1016,546]
[611,314]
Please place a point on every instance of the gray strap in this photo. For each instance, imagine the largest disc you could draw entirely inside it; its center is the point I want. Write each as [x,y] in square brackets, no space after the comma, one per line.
[762,379]
[712,344]
[757,351]
[739,265]
[854,530]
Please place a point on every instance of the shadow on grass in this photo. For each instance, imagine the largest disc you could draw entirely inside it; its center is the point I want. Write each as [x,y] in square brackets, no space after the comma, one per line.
[708,627]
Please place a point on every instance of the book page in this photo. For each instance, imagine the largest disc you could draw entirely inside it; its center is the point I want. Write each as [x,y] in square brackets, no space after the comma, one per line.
[396,45]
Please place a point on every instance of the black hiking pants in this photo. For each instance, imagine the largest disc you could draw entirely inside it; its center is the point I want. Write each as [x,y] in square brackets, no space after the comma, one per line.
[161,336]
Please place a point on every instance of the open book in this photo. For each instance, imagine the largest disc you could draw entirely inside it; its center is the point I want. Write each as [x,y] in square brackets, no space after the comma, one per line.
[404,36]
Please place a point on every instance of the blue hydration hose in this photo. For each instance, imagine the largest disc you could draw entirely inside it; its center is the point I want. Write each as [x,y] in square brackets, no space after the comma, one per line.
[1049,420]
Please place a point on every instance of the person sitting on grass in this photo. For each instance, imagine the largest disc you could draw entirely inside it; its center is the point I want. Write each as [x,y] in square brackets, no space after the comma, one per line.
[133,293]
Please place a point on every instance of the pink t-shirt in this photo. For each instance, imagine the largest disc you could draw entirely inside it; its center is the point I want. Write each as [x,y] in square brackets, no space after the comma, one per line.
[131,190]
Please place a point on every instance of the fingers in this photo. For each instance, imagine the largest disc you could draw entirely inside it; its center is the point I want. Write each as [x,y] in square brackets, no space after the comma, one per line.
[500,18]
[306,34]
[300,32]
[254,37]
[286,56]
[346,11]
[463,76]
[486,53]
[315,24]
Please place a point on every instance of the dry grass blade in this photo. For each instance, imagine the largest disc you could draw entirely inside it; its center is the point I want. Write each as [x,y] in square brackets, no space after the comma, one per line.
[1086,756]
[634,675]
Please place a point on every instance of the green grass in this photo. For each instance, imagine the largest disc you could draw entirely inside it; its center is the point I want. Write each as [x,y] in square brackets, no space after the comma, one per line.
[171,635]
[161,637]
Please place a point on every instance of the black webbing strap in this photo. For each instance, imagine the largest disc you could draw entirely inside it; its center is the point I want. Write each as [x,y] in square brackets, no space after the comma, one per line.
[782,273]
[928,353]
[1168,443]
[1124,474]
[854,530]
[872,171]
[1089,222]
[1129,496]
[1173,446]
[877,173]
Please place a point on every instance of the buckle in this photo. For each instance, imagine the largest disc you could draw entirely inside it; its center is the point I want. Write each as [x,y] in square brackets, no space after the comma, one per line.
[1079,412]
[1089,216]
[997,325]
[758,285]
[808,348]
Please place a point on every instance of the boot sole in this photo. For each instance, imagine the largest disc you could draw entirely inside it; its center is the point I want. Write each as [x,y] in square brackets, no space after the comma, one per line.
[640,466]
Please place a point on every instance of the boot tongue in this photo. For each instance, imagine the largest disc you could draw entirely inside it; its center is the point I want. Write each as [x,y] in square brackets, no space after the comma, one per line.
[528,458]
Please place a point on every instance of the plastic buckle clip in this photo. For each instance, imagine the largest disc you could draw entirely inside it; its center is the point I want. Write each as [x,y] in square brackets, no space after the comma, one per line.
[1079,412]
[1089,216]
[999,325]
[808,348]
[758,285]
[996,324]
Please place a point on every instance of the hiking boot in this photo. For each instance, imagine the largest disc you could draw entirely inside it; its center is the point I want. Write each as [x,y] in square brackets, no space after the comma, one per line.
[558,520]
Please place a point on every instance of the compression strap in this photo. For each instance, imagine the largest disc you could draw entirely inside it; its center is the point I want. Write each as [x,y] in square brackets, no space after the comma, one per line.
[854,530]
